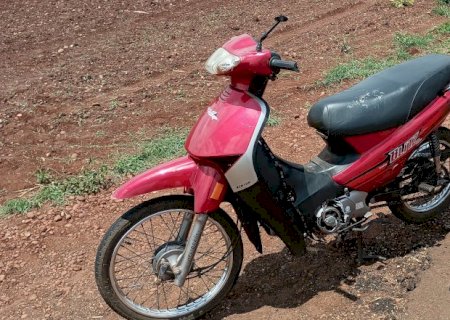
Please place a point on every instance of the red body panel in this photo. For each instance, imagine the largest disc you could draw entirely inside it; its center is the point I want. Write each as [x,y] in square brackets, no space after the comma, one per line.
[226,128]
[373,170]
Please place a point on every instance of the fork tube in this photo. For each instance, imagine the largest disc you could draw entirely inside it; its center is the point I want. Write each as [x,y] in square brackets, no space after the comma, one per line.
[185,227]
[184,266]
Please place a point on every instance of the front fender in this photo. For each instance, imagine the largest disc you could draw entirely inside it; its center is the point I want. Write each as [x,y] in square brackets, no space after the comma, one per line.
[172,174]
[207,182]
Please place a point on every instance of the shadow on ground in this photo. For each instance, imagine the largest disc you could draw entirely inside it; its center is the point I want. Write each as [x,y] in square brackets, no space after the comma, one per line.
[282,281]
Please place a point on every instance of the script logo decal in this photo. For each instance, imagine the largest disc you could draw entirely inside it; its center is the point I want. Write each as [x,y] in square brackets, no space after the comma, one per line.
[405,147]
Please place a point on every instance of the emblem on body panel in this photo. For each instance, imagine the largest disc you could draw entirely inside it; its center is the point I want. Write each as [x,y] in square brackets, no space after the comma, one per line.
[212,113]
[405,147]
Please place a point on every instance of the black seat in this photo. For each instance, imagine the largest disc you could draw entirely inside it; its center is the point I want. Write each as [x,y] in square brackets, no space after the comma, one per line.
[385,100]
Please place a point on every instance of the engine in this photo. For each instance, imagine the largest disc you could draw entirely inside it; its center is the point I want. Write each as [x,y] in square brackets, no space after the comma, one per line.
[342,213]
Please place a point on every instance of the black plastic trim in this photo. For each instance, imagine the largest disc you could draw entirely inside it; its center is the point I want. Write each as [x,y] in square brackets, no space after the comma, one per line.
[259,202]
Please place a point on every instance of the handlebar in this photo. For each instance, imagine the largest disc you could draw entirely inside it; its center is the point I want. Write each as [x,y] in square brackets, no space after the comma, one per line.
[283,64]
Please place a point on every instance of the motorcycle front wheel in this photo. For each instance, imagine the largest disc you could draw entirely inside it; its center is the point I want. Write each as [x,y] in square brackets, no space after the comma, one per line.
[136,283]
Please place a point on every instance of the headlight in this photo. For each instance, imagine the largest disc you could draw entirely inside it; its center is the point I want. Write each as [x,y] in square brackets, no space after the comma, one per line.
[221,62]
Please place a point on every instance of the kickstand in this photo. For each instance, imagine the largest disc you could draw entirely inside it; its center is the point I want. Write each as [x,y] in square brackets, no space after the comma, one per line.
[362,257]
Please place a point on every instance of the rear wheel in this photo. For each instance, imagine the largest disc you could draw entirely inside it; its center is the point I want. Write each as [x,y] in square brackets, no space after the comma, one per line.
[131,267]
[418,206]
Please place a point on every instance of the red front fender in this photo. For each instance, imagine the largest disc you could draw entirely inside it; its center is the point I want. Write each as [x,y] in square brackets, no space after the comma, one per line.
[208,183]
[172,174]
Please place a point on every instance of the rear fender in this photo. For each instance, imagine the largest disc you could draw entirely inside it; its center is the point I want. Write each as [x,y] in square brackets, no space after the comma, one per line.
[206,182]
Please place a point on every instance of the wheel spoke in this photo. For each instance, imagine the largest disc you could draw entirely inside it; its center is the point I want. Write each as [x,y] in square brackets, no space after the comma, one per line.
[154,237]
[136,255]
[148,240]
[201,278]
[171,229]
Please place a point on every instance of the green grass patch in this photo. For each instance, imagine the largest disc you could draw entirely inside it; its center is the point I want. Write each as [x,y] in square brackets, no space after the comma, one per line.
[16,206]
[43,176]
[356,69]
[51,193]
[443,28]
[87,182]
[442,8]
[273,120]
[405,41]
[166,146]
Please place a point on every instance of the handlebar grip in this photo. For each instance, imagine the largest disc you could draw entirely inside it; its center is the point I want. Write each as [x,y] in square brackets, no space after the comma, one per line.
[283,64]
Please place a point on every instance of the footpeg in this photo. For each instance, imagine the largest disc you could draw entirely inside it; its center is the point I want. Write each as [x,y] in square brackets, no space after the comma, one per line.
[360,225]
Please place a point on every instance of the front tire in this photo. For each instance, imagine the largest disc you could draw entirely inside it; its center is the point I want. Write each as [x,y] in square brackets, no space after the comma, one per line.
[421,211]
[128,272]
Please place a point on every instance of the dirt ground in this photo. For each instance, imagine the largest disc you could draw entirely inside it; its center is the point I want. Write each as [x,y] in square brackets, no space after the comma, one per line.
[81,81]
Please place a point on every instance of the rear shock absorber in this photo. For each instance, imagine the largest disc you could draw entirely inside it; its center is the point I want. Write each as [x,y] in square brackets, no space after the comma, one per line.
[436,152]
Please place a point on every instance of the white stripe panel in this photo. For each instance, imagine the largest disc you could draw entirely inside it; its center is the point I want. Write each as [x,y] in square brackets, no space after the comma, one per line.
[242,174]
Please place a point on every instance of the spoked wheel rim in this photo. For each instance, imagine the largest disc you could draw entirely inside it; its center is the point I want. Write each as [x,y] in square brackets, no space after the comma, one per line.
[421,202]
[138,286]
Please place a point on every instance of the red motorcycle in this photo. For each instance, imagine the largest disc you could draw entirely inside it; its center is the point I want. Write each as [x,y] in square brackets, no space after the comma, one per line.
[175,257]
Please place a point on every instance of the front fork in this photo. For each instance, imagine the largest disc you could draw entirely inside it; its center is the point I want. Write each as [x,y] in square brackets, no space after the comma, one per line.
[183,265]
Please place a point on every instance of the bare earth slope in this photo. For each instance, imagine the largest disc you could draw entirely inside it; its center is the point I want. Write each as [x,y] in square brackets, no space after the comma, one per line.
[430,299]
[81,81]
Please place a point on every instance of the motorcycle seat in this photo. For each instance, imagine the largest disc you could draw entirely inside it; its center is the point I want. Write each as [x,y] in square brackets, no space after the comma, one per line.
[385,100]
